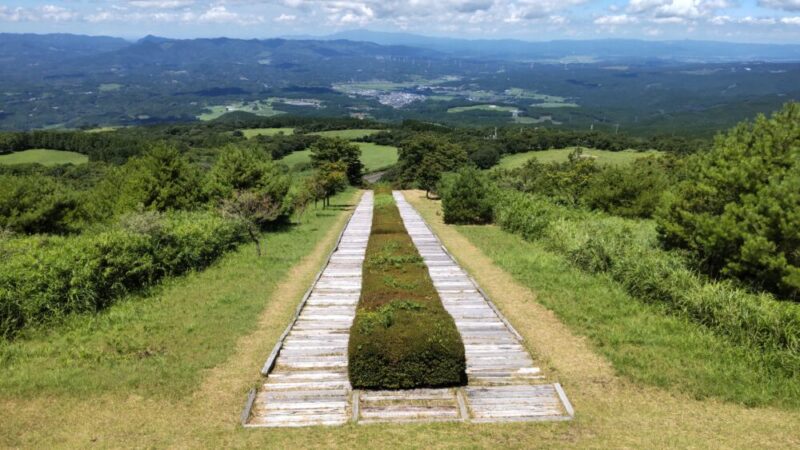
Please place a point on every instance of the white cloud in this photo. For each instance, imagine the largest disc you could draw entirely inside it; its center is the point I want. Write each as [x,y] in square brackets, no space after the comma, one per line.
[218,14]
[786,5]
[161,4]
[791,20]
[44,13]
[614,20]
[285,18]
[671,9]
[757,20]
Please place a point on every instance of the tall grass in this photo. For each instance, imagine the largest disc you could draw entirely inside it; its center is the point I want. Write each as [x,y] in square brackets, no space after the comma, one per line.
[627,251]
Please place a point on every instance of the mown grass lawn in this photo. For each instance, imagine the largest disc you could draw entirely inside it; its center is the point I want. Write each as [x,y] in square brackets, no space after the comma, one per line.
[561,155]
[44,156]
[374,157]
[266,132]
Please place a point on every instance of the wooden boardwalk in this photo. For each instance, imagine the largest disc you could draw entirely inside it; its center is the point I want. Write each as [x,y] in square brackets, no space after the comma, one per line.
[307,381]
[504,384]
[306,374]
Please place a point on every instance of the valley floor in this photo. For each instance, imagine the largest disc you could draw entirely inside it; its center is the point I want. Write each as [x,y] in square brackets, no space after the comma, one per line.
[612,410]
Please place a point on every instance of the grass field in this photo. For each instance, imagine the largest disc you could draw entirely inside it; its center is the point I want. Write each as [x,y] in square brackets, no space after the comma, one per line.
[109,87]
[374,157]
[561,155]
[555,105]
[266,132]
[257,300]
[460,109]
[159,344]
[347,134]
[44,157]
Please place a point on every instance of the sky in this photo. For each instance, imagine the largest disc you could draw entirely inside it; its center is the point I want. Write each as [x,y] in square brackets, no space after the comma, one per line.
[775,21]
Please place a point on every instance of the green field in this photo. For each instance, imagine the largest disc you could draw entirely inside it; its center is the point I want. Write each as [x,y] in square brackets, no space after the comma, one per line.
[460,109]
[554,105]
[374,157]
[109,87]
[261,108]
[561,155]
[347,134]
[266,132]
[377,157]
[44,157]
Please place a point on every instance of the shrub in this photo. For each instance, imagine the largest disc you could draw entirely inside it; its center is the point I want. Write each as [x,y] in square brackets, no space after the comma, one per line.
[737,214]
[44,278]
[628,252]
[466,198]
[402,337]
[160,180]
[37,204]
[634,190]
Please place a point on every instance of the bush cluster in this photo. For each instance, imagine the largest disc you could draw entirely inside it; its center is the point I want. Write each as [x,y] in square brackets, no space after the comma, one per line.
[738,211]
[402,337]
[45,277]
[466,198]
[627,251]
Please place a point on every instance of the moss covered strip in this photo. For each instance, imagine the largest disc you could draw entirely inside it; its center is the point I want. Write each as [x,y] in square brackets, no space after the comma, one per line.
[402,337]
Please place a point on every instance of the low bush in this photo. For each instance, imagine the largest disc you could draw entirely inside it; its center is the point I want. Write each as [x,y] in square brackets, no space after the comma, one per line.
[44,278]
[466,198]
[402,337]
[627,251]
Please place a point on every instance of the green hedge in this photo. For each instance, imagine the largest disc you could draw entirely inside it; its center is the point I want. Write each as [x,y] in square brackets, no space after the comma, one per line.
[42,278]
[627,251]
[402,337]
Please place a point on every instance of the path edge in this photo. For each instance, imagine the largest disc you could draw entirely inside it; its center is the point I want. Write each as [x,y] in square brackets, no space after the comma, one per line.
[471,279]
[270,362]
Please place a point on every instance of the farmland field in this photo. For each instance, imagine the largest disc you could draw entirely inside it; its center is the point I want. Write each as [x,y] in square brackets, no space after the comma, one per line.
[347,134]
[260,108]
[561,155]
[266,132]
[460,109]
[43,156]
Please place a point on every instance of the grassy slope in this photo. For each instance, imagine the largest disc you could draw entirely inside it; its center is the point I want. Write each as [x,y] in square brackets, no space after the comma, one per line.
[266,132]
[375,157]
[158,344]
[561,155]
[611,412]
[44,156]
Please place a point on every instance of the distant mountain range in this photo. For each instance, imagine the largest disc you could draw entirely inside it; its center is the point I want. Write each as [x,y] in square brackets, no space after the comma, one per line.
[70,81]
[596,50]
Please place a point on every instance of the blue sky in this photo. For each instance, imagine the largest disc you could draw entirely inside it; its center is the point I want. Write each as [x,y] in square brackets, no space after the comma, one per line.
[729,20]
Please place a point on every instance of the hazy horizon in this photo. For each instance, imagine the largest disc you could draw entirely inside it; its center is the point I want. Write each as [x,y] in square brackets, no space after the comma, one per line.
[745,21]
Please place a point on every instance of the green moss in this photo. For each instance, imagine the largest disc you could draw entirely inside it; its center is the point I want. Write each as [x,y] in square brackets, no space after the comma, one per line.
[402,337]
